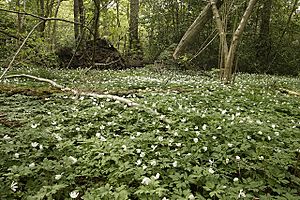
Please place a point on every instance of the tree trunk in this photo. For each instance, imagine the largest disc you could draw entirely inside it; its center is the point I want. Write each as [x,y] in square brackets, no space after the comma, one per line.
[194,29]
[264,42]
[96,19]
[134,43]
[76,19]
[42,14]
[82,19]
[229,62]
[53,35]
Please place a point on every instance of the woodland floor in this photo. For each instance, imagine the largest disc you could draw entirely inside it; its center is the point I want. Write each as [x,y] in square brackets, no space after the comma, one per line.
[222,142]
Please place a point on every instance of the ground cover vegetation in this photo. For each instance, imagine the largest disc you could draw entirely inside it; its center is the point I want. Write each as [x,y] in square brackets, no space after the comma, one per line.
[222,142]
[130,99]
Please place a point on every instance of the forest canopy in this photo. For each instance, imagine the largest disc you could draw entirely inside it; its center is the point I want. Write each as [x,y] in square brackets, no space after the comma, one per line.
[146,31]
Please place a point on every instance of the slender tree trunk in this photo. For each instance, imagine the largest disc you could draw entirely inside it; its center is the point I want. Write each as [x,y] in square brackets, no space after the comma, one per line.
[82,19]
[194,29]
[134,43]
[264,42]
[229,62]
[96,19]
[42,14]
[53,35]
[76,19]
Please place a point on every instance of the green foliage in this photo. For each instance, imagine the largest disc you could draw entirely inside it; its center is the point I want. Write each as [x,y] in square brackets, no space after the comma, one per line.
[224,142]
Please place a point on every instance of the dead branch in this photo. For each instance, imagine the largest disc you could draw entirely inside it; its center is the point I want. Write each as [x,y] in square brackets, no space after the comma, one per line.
[95,95]
[290,92]
[48,19]
[18,51]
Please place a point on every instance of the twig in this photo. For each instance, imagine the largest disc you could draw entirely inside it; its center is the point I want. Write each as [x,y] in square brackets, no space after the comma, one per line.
[18,51]
[90,94]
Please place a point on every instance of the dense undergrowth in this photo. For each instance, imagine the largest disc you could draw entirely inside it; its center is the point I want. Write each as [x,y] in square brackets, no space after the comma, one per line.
[223,142]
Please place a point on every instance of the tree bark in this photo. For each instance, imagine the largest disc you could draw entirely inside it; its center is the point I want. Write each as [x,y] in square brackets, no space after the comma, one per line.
[42,14]
[76,19]
[194,29]
[235,42]
[134,43]
[96,19]
[264,39]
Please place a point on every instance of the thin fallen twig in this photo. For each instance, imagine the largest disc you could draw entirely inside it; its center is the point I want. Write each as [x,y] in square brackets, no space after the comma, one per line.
[91,94]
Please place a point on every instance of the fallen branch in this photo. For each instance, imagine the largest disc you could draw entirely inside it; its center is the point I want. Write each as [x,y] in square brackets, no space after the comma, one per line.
[95,95]
[290,92]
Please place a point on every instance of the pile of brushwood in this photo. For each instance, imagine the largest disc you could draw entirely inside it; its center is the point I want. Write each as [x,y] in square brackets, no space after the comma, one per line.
[99,53]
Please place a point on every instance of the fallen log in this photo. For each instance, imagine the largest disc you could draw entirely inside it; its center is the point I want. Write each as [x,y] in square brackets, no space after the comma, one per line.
[95,95]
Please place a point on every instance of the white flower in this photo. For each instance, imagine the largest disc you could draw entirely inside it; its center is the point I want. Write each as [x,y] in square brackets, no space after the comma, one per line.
[248,137]
[138,162]
[77,129]
[98,135]
[17,155]
[31,165]
[153,147]
[214,137]
[146,181]
[191,197]
[138,134]
[238,158]
[174,164]
[165,198]
[102,127]
[34,144]
[73,160]
[157,175]
[235,179]
[57,136]
[259,132]
[144,167]
[227,160]
[14,186]
[230,145]
[273,125]
[41,147]
[142,154]
[152,162]
[57,177]
[74,194]
[204,148]
[34,125]
[241,194]
[195,140]
[277,133]
[103,139]
[160,138]
[210,170]
[6,137]
[124,147]
[178,144]
[269,138]
[204,127]
[260,157]
[211,161]
[138,150]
